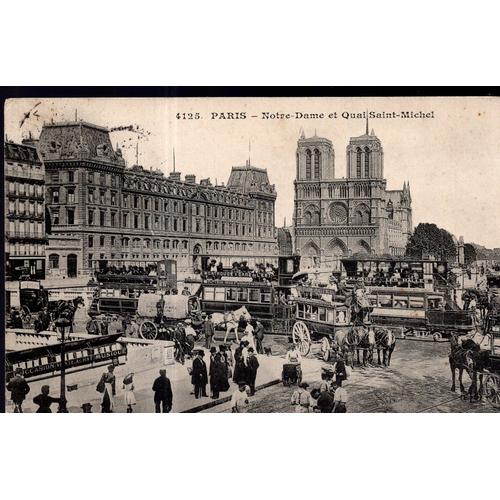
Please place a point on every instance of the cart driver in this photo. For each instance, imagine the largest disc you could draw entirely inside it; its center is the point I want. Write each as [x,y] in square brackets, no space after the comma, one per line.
[294,357]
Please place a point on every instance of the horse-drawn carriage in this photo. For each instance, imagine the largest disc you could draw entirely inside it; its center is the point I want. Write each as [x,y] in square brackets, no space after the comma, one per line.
[29,298]
[156,313]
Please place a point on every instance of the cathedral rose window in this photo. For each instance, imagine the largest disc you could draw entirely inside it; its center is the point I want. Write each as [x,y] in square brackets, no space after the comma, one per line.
[338,213]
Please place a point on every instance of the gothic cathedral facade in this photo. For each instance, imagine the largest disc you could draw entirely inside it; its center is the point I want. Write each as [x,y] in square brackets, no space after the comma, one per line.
[355,215]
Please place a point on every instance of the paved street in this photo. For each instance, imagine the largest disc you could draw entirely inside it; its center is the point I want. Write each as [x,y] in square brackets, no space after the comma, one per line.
[418,380]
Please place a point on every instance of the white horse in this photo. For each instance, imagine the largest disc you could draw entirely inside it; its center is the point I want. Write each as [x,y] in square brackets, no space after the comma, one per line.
[230,320]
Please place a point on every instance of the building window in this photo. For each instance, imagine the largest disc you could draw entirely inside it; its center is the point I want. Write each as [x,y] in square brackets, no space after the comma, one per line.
[55,195]
[91,241]
[71,195]
[91,217]
[184,225]
[102,197]
[125,220]
[91,178]
[317,162]
[146,222]
[308,164]
[136,202]
[70,216]
[136,221]
[102,240]
[113,240]
[175,224]
[125,200]
[102,217]
[54,261]
[358,162]
[91,195]
[54,176]
[113,198]
[156,205]
[55,217]
[146,203]
[71,176]
[113,219]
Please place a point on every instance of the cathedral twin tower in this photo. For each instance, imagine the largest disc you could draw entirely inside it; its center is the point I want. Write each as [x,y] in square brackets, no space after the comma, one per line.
[354,215]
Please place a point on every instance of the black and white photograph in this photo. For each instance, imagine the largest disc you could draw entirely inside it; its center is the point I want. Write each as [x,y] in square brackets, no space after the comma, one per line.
[252,255]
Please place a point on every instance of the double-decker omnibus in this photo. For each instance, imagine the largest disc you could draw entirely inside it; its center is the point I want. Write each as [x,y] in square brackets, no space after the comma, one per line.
[120,283]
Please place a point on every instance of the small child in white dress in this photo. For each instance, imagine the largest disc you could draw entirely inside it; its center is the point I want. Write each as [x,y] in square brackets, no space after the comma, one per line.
[128,386]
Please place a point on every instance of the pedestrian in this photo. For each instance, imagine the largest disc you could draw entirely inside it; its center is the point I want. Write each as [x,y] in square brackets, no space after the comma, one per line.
[227,359]
[199,376]
[240,366]
[213,352]
[128,387]
[259,336]
[209,331]
[340,400]
[190,333]
[163,393]
[107,387]
[43,400]
[294,357]
[252,367]
[340,370]
[15,320]
[239,399]
[18,388]
[325,401]
[218,376]
[302,399]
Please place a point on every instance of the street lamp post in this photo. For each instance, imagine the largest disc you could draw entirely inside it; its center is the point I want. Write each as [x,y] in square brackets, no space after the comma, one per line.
[62,324]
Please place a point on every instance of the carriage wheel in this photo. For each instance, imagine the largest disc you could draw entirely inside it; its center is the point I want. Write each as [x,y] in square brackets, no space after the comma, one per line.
[148,330]
[25,311]
[492,389]
[301,336]
[325,348]
[437,336]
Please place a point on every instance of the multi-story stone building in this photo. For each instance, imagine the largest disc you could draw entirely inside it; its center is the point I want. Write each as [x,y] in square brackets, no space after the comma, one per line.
[353,215]
[25,237]
[133,213]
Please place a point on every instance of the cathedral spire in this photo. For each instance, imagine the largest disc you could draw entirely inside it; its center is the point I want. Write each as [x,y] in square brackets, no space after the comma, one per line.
[367,122]
[302,134]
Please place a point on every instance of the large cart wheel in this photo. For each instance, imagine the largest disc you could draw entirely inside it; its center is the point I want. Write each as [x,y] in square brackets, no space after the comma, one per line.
[148,330]
[492,389]
[325,348]
[301,336]
[437,336]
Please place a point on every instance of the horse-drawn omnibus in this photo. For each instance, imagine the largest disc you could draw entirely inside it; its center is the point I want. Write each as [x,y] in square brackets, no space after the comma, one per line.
[120,283]
[28,297]
[392,272]
[416,311]
[264,295]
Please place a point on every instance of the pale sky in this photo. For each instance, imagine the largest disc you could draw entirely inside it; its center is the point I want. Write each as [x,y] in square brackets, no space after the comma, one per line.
[452,161]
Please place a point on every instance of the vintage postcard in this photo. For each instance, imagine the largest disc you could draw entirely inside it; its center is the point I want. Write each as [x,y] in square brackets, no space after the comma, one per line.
[239,255]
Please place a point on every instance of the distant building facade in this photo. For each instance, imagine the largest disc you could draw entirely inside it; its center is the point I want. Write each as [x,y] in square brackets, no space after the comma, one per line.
[133,213]
[25,238]
[353,215]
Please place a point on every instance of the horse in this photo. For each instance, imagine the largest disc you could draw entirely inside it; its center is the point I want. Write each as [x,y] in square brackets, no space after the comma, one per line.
[470,358]
[58,309]
[231,320]
[385,341]
[354,339]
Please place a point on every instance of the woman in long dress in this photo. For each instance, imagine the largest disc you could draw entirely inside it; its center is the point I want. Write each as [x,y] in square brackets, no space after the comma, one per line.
[108,381]
[128,387]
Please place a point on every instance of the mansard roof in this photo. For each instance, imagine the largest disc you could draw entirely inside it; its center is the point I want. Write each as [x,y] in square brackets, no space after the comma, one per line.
[78,141]
[249,179]
[21,153]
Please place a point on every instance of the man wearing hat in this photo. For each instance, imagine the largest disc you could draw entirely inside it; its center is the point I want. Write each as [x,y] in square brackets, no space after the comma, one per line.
[208,330]
[163,393]
[199,375]
[18,388]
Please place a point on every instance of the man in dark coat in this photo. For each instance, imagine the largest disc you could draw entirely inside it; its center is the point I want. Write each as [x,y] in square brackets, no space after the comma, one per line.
[43,400]
[199,376]
[18,388]
[163,393]
[252,367]
[240,367]
[209,331]
[218,376]
[259,336]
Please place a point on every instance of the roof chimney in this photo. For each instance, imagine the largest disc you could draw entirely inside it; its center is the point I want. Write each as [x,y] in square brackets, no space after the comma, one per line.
[175,176]
[190,179]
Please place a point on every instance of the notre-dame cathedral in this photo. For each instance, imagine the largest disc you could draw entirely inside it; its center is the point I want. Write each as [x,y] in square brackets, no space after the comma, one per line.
[352,215]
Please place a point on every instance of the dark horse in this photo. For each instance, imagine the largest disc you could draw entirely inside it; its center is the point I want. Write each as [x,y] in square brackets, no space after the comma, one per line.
[473,360]
[361,337]
[65,309]
[385,341]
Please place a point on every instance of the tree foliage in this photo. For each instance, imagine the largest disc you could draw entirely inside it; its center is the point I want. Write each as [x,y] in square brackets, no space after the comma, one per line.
[428,239]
